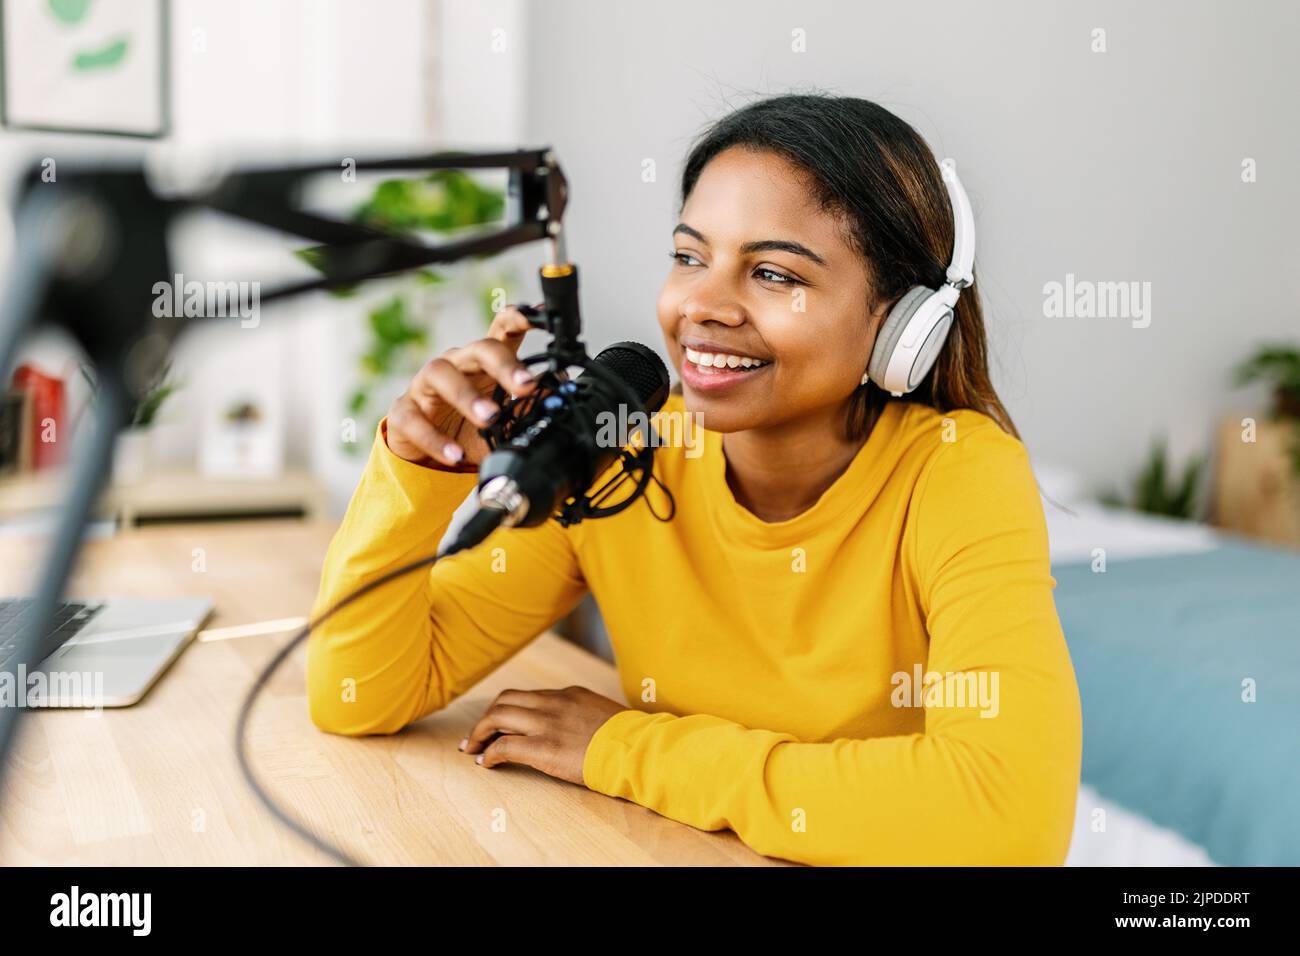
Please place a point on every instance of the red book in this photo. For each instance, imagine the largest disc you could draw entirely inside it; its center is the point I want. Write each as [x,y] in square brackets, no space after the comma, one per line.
[47,418]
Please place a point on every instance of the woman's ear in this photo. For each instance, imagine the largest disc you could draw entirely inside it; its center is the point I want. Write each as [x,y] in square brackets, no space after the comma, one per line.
[876,318]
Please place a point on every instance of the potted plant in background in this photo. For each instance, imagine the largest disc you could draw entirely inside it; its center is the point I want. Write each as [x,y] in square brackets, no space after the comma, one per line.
[1257,473]
[132,457]
[1153,491]
[241,437]
[1278,366]
[443,203]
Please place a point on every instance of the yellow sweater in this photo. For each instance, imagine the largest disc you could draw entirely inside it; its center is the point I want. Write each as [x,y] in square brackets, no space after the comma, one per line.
[881,680]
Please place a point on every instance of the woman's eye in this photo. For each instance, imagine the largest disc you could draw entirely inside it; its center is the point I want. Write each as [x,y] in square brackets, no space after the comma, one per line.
[684,258]
[771,275]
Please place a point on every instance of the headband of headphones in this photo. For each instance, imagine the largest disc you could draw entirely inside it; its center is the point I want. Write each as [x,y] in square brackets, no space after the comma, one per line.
[961,265]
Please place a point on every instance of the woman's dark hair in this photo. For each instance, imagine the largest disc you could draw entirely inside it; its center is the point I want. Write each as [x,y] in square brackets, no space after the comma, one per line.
[878,175]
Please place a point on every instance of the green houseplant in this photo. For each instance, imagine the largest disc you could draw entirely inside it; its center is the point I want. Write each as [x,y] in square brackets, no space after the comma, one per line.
[1156,490]
[1279,367]
[132,458]
[441,203]
[146,408]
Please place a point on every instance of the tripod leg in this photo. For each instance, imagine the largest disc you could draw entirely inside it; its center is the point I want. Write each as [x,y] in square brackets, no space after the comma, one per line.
[41,226]
[89,469]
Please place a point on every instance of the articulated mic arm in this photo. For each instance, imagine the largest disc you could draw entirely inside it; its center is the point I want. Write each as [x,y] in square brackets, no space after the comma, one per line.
[90,247]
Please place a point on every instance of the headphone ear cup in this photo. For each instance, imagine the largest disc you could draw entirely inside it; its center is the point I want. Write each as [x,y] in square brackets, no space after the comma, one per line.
[929,351]
[892,329]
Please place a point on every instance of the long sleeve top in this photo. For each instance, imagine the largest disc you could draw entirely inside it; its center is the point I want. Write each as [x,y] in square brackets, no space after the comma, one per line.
[880,680]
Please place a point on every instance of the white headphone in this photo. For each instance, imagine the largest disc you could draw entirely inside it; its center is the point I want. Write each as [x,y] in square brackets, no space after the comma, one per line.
[915,329]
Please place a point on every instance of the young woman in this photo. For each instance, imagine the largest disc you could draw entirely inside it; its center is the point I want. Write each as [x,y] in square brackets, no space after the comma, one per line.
[844,647]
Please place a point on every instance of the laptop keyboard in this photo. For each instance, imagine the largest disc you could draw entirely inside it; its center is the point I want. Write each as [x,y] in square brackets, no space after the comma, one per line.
[69,618]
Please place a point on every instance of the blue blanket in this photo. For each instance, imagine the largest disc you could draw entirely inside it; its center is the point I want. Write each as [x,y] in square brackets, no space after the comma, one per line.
[1162,648]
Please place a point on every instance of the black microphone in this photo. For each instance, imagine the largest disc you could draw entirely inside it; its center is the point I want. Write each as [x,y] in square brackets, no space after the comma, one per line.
[557,451]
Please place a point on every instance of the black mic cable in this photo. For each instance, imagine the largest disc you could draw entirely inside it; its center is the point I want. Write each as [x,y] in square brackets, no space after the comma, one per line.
[502,500]
[484,521]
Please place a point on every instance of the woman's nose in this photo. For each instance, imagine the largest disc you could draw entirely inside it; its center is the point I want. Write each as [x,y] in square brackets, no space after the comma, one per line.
[712,307]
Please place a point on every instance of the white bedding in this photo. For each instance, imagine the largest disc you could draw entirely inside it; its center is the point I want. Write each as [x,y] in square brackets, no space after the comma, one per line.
[1128,839]
[1105,834]
[1073,538]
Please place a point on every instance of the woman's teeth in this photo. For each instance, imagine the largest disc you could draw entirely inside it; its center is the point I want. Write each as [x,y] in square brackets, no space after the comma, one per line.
[722,360]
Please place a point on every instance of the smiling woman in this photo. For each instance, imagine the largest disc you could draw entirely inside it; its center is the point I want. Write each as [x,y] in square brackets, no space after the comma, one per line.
[756,275]
[833,541]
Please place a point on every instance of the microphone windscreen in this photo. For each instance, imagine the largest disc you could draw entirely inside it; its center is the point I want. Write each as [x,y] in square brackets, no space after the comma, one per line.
[640,367]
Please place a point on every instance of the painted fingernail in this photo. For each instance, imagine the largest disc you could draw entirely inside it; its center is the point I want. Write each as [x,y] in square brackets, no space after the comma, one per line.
[523,376]
[452,451]
[485,410]
[462,744]
[479,759]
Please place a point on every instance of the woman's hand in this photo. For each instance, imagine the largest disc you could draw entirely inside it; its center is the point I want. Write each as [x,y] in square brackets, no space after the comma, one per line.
[438,416]
[548,730]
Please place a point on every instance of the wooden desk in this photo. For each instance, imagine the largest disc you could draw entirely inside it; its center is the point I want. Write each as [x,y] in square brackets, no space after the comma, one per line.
[158,783]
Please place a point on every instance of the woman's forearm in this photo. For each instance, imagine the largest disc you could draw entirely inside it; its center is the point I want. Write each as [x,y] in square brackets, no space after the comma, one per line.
[415,644]
[922,799]
[368,666]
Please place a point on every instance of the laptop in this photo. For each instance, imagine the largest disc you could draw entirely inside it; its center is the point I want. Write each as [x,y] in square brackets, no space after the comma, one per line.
[105,652]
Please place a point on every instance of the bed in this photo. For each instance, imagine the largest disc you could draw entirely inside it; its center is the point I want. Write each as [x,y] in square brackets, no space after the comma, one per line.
[1187,653]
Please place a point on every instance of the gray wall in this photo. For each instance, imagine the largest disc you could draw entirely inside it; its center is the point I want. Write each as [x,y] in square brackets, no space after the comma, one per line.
[1115,166]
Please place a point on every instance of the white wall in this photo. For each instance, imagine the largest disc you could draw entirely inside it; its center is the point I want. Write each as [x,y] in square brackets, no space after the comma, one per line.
[1116,166]
[1123,165]
[326,78]
[333,77]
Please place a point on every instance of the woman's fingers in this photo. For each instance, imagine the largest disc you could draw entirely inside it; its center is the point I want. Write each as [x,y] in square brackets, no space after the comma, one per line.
[508,702]
[447,377]
[497,358]
[453,390]
[501,719]
[408,426]
[444,378]
[548,730]
[536,752]
[509,326]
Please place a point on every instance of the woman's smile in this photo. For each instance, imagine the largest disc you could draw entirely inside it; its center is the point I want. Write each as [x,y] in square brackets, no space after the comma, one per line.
[709,367]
